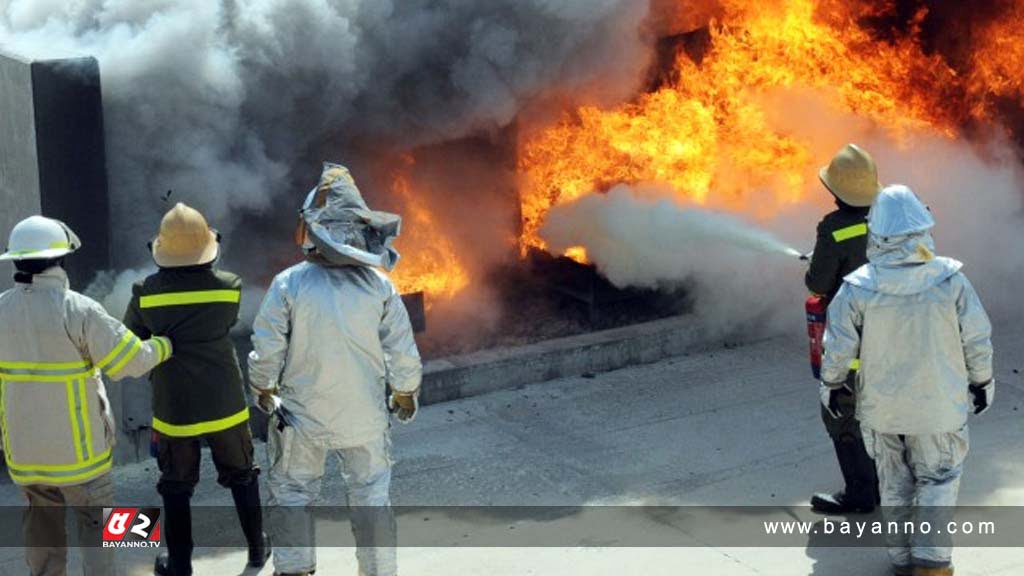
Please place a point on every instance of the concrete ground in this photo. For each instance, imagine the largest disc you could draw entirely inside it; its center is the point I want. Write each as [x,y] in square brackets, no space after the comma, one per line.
[732,427]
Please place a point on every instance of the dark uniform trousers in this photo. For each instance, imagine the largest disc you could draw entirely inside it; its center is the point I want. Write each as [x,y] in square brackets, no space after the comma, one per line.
[855,463]
[841,248]
[179,460]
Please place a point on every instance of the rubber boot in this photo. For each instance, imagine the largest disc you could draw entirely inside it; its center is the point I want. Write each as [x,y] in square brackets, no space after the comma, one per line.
[177,534]
[250,516]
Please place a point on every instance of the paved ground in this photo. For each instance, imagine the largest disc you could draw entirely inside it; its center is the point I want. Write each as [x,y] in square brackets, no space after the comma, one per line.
[732,427]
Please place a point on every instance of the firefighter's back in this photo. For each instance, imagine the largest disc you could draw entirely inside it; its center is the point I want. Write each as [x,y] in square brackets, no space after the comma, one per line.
[200,390]
[54,427]
[335,369]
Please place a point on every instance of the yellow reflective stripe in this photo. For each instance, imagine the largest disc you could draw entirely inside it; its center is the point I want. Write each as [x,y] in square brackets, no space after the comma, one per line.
[125,341]
[84,417]
[159,346]
[45,371]
[76,437]
[187,298]
[3,421]
[163,347]
[69,468]
[855,365]
[53,246]
[200,428]
[44,365]
[57,378]
[61,474]
[849,232]
[136,346]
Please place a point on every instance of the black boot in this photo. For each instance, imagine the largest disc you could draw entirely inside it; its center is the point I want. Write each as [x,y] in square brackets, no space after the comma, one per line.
[177,561]
[250,516]
[861,494]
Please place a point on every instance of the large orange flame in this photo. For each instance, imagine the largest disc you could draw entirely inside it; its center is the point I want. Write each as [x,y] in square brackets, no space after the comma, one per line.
[429,262]
[707,133]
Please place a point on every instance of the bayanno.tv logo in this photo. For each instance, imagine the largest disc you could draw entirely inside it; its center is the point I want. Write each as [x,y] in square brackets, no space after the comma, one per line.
[131,527]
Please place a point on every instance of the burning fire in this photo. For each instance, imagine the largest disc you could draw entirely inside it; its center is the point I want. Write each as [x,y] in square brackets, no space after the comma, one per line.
[706,131]
[429,263]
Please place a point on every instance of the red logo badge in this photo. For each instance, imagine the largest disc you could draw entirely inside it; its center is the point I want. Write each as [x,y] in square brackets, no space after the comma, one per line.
[131,527]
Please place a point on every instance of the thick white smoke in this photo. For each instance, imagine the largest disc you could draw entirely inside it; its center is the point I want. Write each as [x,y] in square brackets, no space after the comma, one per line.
[222,100]
[738,276]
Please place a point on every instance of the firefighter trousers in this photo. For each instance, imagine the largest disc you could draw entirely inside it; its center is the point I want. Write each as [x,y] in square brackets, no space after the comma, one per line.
[855,463]
[44,527]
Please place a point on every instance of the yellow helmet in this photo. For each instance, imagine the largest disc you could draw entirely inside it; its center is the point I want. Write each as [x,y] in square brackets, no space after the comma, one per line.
[852,176]
[185,239]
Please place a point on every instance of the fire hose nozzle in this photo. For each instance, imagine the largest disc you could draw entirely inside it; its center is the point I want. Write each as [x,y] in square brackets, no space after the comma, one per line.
[806,257]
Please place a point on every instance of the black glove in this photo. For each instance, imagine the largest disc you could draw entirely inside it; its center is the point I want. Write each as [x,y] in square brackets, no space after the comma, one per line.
[830,398]
[983,395]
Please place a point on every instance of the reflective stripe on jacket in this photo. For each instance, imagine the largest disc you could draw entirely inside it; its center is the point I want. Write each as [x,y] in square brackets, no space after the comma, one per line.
[332,339]
[200,390]
[841,248]
[54,346]
[920,332]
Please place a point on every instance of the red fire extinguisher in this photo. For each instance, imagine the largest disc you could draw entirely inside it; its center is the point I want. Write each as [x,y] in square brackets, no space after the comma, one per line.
[817,308]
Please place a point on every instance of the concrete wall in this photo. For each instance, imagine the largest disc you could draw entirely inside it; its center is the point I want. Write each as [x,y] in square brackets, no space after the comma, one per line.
[53,158]
[52,155]
[19,177]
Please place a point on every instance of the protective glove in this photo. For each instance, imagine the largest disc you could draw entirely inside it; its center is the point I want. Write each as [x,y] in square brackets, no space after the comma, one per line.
[829,396]
[983,395]
[267,400]
[404,405]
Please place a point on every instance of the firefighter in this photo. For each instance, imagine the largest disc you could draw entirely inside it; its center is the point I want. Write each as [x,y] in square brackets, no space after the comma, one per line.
[199,396]
[924,342]
[58,428]
[841,248]
[331,340]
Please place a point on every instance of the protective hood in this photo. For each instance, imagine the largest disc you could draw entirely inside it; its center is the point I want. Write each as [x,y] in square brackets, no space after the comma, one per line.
[897,211]
[341,228]
[902,265]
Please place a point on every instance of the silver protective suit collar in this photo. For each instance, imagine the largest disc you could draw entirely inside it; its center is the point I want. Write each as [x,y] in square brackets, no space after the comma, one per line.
[903,265]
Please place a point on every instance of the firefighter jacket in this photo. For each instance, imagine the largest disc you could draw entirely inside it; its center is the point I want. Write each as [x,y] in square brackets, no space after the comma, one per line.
[331,340]
[841,248]
[54,346]
[920,332]
[200,390]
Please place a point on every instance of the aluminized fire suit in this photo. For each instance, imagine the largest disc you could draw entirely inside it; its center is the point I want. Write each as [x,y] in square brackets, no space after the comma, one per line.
[332,339]
[922,336]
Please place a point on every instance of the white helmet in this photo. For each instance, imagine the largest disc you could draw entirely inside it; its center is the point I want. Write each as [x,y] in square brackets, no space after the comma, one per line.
[40,238]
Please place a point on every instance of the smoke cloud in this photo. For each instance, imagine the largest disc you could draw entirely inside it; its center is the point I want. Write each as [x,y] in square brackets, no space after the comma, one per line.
[739,275]
[227,102]
[736,267]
